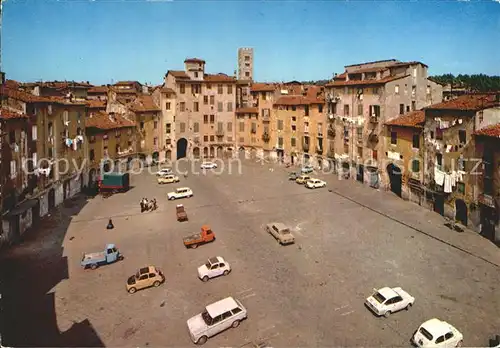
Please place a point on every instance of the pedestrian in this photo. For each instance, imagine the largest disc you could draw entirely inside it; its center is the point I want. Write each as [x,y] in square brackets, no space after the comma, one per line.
[110,225]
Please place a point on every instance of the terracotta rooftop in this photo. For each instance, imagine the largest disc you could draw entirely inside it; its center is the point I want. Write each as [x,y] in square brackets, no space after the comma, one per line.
[220,77]
[12,84]
[468,102]
[364,82]
[6,114]
[365,70]
[194,60]
[143,103]
[490,131]
[297,100]
[247,110]
[98,89]
[167,90]
[96,104]
[178,74]
[340,76]
[24,96]
[102,120]
[414,119]
[262,87]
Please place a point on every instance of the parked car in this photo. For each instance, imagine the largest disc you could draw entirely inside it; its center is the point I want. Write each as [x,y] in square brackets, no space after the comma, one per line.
[164,171]
[437,333]
[206,235]
[302,179]
[145,278]
[208,165]
[315,183]
[280,232]
[216,318]
[214,267]
[307,169]
[94,260]
[293,176]
[386,301]
[168,179]
[181,192]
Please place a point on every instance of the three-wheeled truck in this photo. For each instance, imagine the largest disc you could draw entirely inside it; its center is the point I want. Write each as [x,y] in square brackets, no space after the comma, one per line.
[94,260]
[114,182]
[181,213]
[205,236]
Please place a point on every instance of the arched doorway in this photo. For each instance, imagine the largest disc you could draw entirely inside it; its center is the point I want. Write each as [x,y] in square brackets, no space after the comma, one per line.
[205,152]
[212,152]
[182,144]
[230,152]
[219,152]
[395,178]
[156,156]
[305,158]
[168,155]
[461,212]
[52,199]
[241,152]
[253,153]
[196,152]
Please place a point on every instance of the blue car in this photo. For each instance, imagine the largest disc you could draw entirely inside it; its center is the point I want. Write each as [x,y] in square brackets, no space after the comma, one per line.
[307,169]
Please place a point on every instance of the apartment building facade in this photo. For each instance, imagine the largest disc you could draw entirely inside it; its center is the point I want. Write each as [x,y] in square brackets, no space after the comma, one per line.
[204,111]
[453,179]
[487,141]
[165,98]
[405,150]
[365,96]
[112,139]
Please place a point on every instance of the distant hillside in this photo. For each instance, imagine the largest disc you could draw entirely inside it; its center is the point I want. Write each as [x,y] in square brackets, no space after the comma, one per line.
[473,83]
[317,83]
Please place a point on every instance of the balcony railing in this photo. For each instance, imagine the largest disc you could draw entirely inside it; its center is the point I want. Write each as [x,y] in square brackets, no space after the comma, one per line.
[305,147]
[319,150]
[219,133]
[374,119]
[331,132]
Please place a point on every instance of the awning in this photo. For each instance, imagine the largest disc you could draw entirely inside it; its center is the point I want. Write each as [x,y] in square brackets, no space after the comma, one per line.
[24,206]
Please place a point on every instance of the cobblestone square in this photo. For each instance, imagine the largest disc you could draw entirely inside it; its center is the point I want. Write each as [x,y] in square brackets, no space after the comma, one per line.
[348,241]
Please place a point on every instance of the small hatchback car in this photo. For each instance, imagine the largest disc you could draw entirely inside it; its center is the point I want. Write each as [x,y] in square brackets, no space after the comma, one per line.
[145,278]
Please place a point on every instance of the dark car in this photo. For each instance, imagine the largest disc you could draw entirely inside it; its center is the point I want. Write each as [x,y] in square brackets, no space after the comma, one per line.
[293,176]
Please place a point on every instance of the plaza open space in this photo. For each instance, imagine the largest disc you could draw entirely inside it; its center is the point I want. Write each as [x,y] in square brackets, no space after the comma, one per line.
[348,240]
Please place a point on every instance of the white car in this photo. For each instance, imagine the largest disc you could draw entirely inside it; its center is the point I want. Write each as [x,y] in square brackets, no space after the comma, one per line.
[216,318]
[164,171]
[385,301]
[181,192]
[437,333]
[214,267]
[315,183]
[208,165]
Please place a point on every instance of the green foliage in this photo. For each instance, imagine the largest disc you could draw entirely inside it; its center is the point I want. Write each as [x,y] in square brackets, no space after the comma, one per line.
[473,83]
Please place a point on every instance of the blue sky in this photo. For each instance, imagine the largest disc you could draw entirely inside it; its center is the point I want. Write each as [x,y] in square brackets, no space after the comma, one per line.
[103,41]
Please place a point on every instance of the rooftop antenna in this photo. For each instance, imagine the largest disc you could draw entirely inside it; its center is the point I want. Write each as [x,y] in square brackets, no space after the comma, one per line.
[1,13]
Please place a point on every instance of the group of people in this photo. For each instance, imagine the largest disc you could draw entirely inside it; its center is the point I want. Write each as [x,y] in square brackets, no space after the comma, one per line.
[148,205]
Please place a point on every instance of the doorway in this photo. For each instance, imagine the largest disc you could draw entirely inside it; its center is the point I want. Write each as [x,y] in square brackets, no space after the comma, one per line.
[461,212]
[181,148]
[395,178]
[52,199]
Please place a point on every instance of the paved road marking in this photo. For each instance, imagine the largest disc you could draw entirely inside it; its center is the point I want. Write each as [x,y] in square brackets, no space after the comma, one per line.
[249,295]
[347,313]
[243,291]
[336,309]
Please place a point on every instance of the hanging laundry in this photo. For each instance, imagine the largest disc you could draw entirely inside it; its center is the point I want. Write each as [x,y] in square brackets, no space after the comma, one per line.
[79,138]
[68,142]
[448,148]
[460,121]
[460,175]
[75,145]
[438,177]
[447,184]
[453,176]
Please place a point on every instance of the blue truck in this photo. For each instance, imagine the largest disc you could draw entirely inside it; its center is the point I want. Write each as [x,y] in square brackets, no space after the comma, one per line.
[94,260]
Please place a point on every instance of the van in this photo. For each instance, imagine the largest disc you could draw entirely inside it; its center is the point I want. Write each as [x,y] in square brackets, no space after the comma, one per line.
[216,318]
